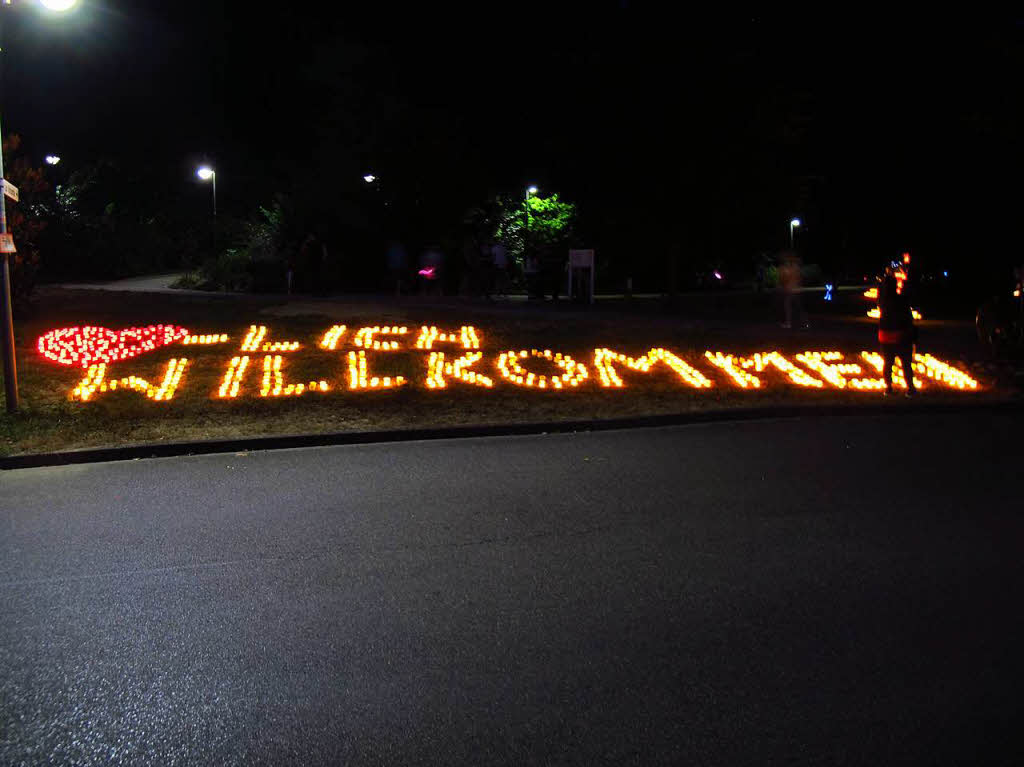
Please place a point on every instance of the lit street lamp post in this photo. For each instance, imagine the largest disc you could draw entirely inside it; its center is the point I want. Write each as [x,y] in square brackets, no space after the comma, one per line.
[529,190]
[7,331]
[526,232]
[793,224]
[207,173]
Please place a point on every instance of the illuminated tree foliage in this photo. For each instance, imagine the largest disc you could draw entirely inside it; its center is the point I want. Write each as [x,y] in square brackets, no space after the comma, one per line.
[548,227]
[26,219]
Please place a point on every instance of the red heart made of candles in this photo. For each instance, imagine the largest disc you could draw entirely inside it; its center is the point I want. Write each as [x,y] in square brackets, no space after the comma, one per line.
[91,346]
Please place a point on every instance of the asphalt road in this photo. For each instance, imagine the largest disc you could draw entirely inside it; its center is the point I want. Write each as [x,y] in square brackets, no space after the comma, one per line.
[819,591]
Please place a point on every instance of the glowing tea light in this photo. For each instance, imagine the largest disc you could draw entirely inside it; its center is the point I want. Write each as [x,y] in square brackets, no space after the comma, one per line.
[875,360]
[359,379]
[273,384]
[876,313]
[937,370]
[254,338]
[87,346]
[332,337]
[205,340]
[233,377]
[467,336]
[95,381]
[365,337]
[438,370]
[729,364]
[762,361]
[605,359]
[77,345]
[511,370]
[829,367]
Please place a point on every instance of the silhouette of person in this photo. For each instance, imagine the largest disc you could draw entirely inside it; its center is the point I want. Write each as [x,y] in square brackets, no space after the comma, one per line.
[896,331]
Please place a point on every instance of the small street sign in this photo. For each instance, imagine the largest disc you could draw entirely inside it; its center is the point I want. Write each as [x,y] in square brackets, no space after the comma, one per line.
[582,258]
[10,190]
[7,243]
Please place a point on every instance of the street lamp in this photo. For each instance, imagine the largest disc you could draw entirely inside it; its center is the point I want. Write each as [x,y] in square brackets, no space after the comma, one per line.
[7,247]
[207,173]
[369,178]
[529,190]
[793,224]
[52,159]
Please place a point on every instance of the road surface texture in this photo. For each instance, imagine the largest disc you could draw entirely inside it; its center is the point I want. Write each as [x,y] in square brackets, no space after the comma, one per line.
[839,590]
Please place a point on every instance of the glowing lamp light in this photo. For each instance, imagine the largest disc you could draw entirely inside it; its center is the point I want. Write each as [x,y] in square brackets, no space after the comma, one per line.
[906,258]
[532,190]
[52,159]
[718,274]
[429,273]
[58,5]
[369,178]
[205,173]
[795,222]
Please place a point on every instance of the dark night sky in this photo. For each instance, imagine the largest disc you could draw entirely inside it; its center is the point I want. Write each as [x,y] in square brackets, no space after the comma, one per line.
[882,134]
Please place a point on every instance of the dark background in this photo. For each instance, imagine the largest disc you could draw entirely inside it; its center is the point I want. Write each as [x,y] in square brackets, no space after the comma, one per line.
[882,134]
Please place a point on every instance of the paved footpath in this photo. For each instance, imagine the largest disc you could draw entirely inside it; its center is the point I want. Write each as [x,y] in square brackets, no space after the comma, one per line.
[816,591]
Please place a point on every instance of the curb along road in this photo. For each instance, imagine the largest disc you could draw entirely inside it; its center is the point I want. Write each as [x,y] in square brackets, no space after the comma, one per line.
[242,444]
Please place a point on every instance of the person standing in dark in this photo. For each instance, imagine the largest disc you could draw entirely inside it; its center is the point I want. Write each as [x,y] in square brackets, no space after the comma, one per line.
[896,331]
[311,261]
[789,281]
[398,264]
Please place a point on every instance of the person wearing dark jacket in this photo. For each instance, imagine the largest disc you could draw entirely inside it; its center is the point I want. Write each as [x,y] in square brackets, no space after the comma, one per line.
[896,331]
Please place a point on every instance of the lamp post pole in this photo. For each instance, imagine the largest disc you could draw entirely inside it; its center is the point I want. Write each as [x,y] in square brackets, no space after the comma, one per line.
[10,361]
[7,330]
[793,224]
[529,190]
[206,173]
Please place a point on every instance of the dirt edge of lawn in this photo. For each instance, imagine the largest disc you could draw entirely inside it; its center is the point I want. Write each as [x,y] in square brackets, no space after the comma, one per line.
[325,439]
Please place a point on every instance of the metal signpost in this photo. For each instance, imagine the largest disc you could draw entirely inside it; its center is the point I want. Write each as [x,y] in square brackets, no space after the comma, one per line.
[581,259]
[7,247]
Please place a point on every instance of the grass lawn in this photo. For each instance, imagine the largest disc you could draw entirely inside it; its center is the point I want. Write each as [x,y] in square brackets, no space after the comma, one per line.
[49,420]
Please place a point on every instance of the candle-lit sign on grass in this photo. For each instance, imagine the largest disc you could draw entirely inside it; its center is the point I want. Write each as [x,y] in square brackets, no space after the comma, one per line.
[263,366]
